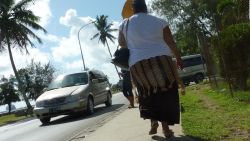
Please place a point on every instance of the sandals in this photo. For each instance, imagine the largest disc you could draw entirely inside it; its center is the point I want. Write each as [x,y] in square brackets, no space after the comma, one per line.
[168,133]
[154,126]
[131,106]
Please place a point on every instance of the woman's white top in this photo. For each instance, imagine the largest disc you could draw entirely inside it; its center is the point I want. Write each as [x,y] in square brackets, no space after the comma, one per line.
[145,37]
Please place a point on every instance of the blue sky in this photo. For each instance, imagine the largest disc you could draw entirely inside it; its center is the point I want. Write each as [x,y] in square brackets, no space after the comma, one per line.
[62,19]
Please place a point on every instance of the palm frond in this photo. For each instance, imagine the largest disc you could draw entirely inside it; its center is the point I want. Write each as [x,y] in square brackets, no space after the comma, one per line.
[31,33]
[6,5]
[21,5]
[104,29]
[224,4]
[31,24]
[19,24]
[95,36]
[26,14]
[111,37]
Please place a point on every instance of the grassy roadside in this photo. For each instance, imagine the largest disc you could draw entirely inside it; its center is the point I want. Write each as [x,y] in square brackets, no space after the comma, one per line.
[10,119]
[214,115]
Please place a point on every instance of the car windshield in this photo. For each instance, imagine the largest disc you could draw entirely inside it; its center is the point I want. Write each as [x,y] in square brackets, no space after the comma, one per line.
[69,80]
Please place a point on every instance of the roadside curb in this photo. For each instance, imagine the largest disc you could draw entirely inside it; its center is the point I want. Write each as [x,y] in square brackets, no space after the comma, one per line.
[19,121]
[79,136]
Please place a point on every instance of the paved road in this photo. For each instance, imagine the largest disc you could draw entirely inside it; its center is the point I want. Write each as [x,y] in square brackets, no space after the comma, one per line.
[63,128]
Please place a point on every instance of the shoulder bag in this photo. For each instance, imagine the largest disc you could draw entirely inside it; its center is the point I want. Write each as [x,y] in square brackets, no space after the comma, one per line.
[121,55]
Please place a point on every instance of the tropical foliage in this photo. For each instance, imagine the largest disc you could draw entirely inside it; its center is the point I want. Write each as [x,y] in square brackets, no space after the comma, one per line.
[197,22]
[232,42]
[35,78]
[104,33]
[8,92]
[17,25]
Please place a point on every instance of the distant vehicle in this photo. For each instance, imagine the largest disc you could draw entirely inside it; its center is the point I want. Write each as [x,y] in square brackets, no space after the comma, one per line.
[72,93]
[194,69]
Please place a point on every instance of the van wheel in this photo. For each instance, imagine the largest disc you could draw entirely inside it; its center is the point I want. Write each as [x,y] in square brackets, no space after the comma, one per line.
[90,106]
[198,78]
[45,120]
[108,103]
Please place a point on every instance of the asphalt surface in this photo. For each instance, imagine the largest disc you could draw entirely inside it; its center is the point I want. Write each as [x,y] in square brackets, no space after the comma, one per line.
[63,128]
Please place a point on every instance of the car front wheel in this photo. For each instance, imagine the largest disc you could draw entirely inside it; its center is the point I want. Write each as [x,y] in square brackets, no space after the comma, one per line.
[45,120]
[90,106]
[108,103]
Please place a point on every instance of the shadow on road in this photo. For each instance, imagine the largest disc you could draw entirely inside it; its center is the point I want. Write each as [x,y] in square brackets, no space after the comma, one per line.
[182,138]
[100,110]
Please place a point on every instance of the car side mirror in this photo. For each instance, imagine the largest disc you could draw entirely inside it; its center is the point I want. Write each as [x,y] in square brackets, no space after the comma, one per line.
[94,81]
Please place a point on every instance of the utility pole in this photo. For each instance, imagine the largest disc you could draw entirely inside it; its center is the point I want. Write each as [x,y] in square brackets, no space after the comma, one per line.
[83,62]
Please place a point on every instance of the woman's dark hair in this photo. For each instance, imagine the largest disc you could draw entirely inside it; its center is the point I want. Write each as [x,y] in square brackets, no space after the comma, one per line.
[139,6]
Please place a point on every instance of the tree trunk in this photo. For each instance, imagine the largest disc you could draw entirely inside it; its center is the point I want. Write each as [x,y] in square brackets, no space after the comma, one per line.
[17,76]
[242,81]
[9,107]
[111,58]
[206,53]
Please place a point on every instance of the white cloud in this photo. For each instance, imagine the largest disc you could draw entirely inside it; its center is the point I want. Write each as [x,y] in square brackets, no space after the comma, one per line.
[21,59]
[71,19]
[95,54]
[41,8]
[48,37]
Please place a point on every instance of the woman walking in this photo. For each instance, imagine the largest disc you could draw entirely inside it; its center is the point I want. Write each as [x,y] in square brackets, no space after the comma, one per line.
[127,87]
[151,46]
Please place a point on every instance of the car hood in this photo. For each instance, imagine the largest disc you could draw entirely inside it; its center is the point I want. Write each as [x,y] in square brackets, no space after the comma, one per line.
[61,92]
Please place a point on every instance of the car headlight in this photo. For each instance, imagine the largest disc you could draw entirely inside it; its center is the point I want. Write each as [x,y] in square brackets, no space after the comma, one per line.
[40,103]
[72,98]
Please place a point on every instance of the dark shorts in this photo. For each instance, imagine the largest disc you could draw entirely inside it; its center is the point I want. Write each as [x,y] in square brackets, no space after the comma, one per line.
[127,89]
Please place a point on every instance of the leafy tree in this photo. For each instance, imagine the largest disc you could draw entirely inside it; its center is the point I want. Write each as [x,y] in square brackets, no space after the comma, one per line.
[209,20]
[186,41]
[8,94]
[104,32]
[233,41]
[233,11]
[35,77]
[194,22]
[234,44]
[16,24]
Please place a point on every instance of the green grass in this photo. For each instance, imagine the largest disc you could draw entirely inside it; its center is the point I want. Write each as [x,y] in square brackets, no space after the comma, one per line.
[215,115]
[10,119]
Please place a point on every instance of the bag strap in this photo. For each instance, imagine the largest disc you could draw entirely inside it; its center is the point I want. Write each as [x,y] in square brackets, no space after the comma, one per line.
[126,38]
[127,23]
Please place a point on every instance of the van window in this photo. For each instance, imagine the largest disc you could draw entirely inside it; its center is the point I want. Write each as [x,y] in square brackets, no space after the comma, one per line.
[99,75]
[192,61]
[69,80]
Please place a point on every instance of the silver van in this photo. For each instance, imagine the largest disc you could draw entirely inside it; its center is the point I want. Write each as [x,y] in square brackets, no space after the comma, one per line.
[194,69]
[72,93]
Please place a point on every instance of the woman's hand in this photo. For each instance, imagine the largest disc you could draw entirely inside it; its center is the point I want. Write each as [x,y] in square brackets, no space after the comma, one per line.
[179,63]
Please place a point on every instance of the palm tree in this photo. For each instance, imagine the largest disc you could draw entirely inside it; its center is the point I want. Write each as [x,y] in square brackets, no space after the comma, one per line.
[104,33]
[16,24]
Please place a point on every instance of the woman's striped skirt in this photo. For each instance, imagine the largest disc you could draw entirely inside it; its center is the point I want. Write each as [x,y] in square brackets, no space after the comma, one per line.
[155,79]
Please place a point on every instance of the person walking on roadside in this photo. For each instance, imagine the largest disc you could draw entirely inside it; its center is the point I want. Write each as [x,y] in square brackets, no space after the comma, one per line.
[151,47]
[127,87]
